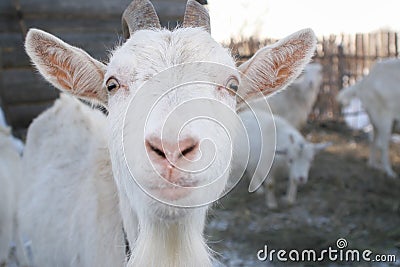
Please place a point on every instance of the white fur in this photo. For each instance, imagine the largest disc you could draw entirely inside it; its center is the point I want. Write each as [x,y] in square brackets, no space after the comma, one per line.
[157,234]
[10,173]
[379,92]
[293,157]
[296,102]
[64,146]
[8,168]
[66,158]
[18,144]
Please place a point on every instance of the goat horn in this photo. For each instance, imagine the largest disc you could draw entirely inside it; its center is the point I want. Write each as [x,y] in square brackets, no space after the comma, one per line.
[139,15]
[196,16]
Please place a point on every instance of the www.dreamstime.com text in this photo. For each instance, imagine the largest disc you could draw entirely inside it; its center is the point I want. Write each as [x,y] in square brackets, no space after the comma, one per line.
[340,253]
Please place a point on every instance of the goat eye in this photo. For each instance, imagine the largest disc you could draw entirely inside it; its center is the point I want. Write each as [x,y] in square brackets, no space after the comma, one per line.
[112,84]
[232,84]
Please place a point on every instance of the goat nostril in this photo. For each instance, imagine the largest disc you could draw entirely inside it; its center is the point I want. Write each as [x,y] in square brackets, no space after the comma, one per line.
[188,146]
[187,150]
[170,151]
[156,150]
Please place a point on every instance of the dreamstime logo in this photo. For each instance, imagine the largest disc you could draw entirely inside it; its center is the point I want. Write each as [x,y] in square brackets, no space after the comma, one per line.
[338,254]
[182,134]
[341,243]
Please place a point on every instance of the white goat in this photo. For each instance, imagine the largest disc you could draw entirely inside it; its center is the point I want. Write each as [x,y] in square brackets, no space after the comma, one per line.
[70,208]
[10,171]
[293,154]
[295,103]
[73,187]
[7,192]
[379,93]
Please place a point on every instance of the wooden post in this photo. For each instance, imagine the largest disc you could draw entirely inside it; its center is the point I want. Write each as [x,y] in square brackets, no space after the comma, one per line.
[341,64]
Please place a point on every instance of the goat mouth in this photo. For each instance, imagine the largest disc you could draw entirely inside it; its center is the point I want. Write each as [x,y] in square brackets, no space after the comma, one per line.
[172,192]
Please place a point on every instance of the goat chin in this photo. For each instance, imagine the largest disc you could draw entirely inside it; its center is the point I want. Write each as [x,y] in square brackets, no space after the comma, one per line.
[169,234]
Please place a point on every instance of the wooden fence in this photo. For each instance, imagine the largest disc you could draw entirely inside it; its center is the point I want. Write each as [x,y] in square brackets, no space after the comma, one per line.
[345,59]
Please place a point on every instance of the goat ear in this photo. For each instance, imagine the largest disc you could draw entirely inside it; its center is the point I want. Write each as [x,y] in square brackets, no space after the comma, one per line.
[68,68]
[273,67]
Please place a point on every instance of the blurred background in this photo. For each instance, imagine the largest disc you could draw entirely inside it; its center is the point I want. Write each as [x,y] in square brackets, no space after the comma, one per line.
[344,198]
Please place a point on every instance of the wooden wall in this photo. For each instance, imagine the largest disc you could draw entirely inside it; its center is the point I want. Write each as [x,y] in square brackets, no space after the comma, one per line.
[93,25]
[346,59]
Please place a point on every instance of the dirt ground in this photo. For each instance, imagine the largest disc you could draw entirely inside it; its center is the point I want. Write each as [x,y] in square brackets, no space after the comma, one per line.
[343,198]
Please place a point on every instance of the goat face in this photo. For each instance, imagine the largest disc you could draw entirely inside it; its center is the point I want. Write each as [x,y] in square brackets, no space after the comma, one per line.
[175,109]
[300,156]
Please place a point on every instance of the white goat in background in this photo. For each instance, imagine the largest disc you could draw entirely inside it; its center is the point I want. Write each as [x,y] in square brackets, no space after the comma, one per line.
[72,183]
[10,186]
[296,103]
[293,155]
[70,207]
[9,160]
[379,93]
